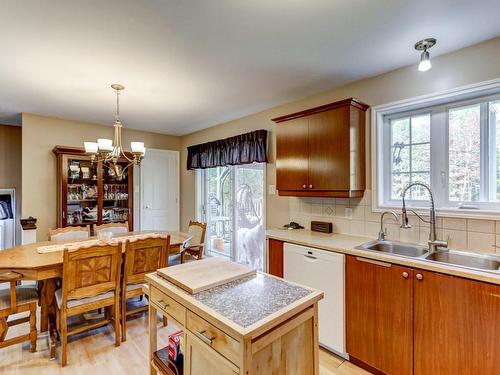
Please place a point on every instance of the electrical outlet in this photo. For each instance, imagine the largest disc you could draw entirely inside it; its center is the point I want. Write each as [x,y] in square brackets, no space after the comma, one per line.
[271,190]
[348,212]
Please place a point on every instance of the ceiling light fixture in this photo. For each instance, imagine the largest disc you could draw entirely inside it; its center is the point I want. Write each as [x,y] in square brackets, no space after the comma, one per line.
[108,151]
[425,61]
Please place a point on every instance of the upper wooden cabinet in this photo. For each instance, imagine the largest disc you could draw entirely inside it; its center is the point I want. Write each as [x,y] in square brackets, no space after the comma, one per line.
[321,151]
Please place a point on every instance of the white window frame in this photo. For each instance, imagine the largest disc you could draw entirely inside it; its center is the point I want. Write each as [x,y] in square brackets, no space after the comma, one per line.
[438,105]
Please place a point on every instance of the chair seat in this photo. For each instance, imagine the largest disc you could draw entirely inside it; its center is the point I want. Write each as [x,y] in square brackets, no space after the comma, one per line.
[131,287]
[24,294]
[83,301]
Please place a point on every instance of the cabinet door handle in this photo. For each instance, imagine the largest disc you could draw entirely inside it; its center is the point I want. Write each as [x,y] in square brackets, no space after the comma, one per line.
[310,256]
[310,186]
[304,186]
[405,275]
[163,304]
[201,335]
[419,276]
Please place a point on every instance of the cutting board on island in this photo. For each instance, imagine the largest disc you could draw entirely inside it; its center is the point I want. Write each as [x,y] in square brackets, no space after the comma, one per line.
[207,273]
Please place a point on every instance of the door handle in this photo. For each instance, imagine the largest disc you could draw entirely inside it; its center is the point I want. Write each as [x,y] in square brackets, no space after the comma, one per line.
[201,335]
[163,304]
[304,186]
[310,256]
[310,186]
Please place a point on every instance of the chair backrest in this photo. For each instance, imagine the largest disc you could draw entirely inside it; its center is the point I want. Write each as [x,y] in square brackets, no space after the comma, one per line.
[12,278]
[144,256]
[90,271]
[115,228]
[69,233]
[198,231]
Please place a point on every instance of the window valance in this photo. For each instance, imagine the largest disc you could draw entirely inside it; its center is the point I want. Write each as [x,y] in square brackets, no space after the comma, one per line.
[241,149]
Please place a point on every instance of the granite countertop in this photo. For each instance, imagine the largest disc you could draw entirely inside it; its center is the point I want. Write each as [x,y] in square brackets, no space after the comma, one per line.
[249,300]
[346,244]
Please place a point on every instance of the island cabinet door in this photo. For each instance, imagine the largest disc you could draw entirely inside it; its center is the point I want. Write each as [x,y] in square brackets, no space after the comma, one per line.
[200,359]
[457,325]
[292,155]
[379,315]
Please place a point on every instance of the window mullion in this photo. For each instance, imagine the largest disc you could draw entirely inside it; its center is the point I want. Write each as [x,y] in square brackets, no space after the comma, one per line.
[439,157]
[485,151]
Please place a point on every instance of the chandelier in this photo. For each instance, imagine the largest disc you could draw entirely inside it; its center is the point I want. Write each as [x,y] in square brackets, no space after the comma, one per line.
[109,152]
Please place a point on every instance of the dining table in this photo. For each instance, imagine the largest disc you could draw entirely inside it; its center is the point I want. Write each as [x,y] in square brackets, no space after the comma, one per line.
[46,268]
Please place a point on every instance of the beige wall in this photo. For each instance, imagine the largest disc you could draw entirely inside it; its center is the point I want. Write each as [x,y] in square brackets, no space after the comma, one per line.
[39,136]
[469,65]
[10,165]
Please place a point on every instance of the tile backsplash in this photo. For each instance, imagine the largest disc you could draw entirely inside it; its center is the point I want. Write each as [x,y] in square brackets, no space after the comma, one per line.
[354,216]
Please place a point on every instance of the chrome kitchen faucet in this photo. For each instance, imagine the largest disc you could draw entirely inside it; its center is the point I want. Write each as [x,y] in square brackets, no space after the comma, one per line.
[434,243]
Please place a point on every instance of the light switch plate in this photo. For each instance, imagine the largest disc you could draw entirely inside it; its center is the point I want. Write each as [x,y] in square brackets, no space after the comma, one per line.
[271,190]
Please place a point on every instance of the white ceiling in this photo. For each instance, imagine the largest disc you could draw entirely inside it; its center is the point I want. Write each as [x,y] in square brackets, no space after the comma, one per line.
[190,64]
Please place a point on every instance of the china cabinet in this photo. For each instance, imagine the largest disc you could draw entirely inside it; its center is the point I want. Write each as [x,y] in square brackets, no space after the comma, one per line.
[89,193]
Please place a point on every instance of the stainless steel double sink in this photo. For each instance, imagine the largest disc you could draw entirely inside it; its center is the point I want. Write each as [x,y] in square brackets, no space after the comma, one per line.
[480,262]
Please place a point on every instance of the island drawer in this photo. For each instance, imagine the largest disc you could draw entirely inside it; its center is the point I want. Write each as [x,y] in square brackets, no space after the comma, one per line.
[214,337]
[168,305]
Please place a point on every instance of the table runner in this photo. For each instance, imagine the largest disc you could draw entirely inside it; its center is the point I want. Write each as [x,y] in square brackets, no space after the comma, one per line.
[94,241]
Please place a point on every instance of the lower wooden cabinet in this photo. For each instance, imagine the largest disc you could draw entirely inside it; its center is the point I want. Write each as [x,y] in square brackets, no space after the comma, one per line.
[457,325]
[401,321]
[379,315]
[200,359]
[275,257]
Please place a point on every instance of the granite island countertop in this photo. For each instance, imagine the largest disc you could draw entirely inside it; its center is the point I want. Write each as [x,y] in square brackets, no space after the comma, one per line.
[347,244]
[245,304]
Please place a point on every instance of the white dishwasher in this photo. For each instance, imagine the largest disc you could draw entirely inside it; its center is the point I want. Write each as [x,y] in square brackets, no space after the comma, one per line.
[323,270]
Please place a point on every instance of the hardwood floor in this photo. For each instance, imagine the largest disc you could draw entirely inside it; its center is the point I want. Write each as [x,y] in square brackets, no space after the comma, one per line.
[94,353]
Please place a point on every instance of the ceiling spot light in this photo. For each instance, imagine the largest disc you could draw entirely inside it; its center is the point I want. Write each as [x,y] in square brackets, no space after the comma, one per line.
[425,61]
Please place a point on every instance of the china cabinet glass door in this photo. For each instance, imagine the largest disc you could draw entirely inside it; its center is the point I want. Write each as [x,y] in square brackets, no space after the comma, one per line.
[81,192]
[116,196]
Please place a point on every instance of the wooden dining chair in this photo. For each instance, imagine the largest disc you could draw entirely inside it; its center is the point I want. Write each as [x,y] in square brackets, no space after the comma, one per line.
[141,257]
[91,280]
[115,228]
[14,300]
[69,233]
[196,244]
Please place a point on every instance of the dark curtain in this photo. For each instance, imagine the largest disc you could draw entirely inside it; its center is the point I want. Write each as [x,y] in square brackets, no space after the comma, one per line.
[241,149]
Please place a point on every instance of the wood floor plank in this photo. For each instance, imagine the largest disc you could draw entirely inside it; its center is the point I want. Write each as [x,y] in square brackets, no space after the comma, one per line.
[94,352]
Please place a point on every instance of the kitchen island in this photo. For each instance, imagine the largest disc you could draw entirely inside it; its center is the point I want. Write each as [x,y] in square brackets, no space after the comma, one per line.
[256,325]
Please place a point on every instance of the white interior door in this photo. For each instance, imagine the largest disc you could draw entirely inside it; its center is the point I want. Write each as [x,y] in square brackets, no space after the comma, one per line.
[160,190]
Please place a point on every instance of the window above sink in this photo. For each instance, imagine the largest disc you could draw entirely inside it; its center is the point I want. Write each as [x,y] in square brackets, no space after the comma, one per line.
[449,141]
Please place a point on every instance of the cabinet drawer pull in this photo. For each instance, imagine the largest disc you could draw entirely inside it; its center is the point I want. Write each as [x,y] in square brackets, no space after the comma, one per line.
[310,256]
[201,335]
[310,186]
[163,304]
[419,276]
[405,275]
[304,186]
[377,262]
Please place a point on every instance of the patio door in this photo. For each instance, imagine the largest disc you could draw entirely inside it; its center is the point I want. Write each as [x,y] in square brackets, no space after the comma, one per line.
[233,208]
